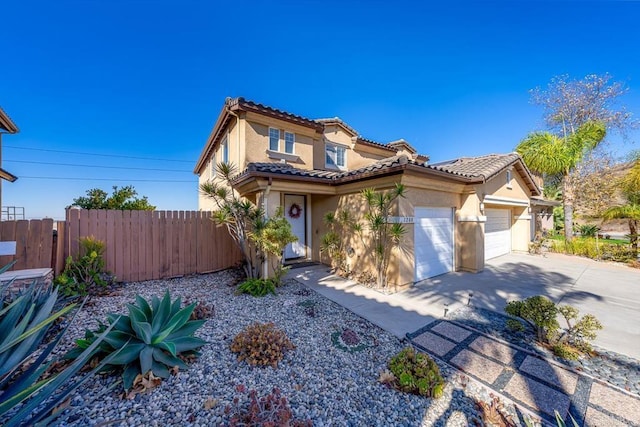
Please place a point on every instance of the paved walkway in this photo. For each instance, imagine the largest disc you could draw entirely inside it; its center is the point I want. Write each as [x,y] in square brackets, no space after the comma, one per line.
[532,382]
[610,292]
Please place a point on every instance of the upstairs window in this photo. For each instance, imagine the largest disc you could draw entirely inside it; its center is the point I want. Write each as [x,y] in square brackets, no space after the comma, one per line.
[289,139]
[274,139]
[335,156]
[225,150]
[509,178]
[214,166]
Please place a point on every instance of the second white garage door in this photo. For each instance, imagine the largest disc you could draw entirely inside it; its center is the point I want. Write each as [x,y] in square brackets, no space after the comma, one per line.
[497,233]
[433,242]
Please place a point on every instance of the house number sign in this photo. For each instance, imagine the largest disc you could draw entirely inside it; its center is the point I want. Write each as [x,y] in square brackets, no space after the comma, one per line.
[400,220]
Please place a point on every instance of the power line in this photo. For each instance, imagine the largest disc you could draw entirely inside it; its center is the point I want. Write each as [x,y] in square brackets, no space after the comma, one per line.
[96,154]
[102,179]
[98,166]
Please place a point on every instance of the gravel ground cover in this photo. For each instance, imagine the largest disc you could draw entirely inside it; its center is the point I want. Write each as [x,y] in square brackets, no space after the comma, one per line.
[617,369]
[323,383]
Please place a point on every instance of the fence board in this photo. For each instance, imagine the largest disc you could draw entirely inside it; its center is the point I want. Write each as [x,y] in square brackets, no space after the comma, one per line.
[149,245]
[34,243]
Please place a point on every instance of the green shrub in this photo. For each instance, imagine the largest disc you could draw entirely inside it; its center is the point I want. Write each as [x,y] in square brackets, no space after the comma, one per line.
[150,338]
[416,373]
[579,331]
[588,230]
[515,325]
[540,312]
[257,287]
[261,344]
[85,275]
[588,247]
[27,392]
[565,351]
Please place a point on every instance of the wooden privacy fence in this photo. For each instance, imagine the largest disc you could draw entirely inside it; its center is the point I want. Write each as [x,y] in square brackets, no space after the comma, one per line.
[34,243]
[144,245]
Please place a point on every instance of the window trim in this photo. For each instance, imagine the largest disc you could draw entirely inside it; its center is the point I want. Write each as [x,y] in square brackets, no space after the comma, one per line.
[225,149]
[509,179]
[214,165]
[277,130]
[335,165]
[293,142]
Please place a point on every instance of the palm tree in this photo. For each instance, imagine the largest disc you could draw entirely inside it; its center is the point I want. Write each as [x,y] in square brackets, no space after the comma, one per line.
[550,154]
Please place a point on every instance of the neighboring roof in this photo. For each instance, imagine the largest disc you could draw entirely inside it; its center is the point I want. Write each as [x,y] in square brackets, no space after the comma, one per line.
[397,163]
[7,175]
[6,123]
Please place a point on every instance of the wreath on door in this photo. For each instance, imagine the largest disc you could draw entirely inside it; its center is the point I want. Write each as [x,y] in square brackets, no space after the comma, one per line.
[295,210]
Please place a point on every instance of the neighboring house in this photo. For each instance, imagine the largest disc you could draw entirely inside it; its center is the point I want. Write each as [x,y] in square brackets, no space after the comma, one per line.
[6,126]
[457,213]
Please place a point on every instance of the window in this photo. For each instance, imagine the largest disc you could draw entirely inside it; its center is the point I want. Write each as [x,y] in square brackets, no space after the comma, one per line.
[213,165]
[508,178]
[225,150]
[274,139]
[335,156]
[289,138]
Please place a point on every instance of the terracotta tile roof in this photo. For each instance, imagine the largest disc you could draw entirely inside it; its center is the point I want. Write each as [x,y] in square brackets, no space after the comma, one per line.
[243,104]
[477,167]
[375,144]
[468,169]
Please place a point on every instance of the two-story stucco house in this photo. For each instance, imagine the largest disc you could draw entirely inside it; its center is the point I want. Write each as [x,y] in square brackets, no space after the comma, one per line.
[457,213]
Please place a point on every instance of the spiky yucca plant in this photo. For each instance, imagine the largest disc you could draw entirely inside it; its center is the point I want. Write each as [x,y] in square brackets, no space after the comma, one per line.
[27,396]
[384,235]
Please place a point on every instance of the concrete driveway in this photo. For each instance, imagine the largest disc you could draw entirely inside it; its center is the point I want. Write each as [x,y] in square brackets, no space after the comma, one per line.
[608,291]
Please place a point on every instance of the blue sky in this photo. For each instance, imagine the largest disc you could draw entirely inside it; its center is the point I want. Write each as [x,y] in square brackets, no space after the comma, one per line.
[147,79]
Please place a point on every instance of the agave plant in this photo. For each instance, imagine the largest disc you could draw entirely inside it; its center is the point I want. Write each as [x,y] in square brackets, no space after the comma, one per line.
[150,338]
[27,396]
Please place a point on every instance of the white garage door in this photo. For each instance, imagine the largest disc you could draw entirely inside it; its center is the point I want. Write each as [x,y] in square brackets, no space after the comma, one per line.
[433,242]
[497,233]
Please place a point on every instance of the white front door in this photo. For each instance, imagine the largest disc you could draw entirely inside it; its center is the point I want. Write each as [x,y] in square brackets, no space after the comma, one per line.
[433,242]
[497,233]
[295,211]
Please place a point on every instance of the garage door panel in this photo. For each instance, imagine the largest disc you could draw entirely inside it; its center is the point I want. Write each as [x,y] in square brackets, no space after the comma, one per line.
[497,233]
[433,242]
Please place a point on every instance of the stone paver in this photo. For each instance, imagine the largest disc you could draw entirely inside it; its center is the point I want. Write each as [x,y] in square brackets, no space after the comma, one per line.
[477,365]
[595,418]
[615,402]
[451,331]
[537,395]
[552,374]
[493,349]
[434,343]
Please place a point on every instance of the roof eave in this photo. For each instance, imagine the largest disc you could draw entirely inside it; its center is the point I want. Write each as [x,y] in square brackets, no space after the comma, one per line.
[208,147]
[6,123]
[7,175]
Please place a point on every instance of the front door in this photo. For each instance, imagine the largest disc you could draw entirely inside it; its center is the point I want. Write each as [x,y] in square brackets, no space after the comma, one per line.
[295,211]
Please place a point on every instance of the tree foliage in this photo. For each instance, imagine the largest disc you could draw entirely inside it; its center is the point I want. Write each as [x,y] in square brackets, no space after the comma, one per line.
[569,103]
[121,199]
[595,183]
